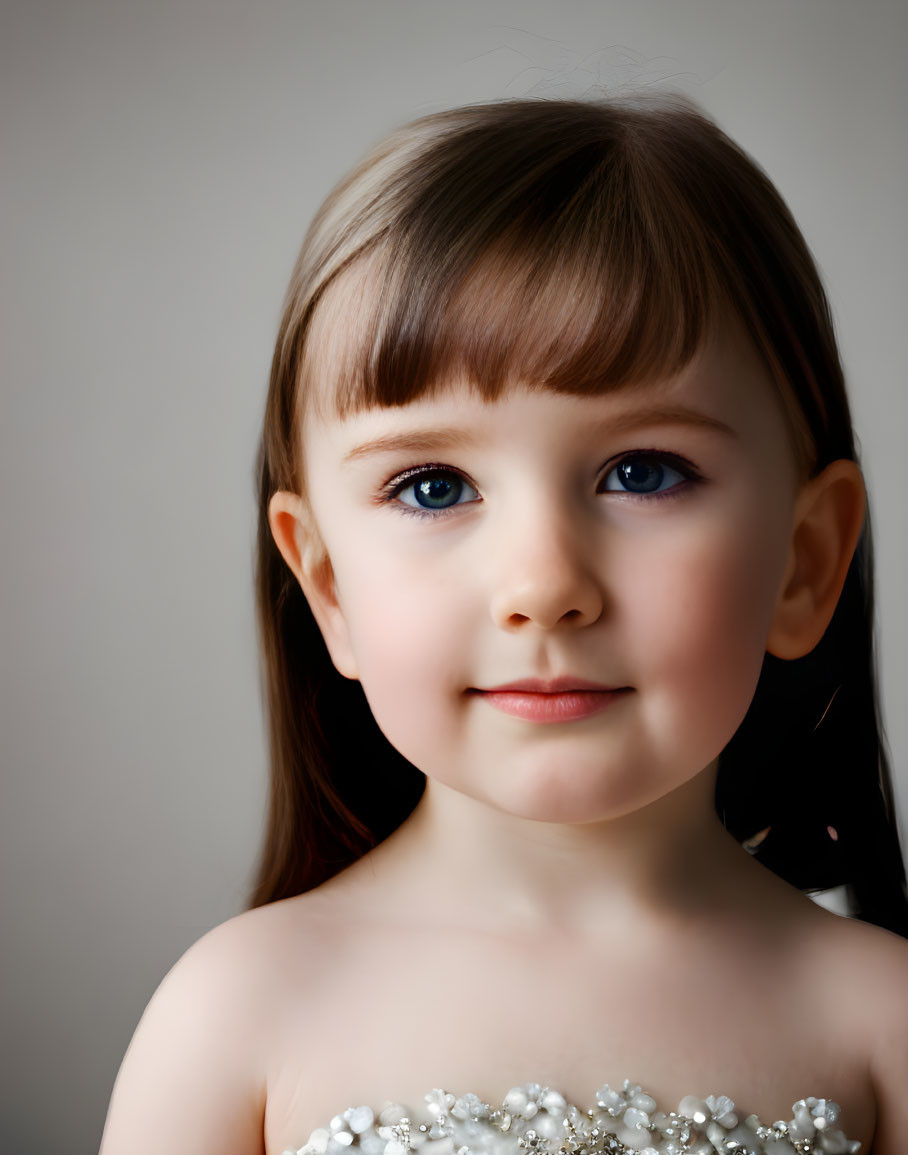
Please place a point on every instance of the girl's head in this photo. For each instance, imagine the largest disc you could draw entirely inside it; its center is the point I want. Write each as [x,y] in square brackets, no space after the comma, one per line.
[522,253]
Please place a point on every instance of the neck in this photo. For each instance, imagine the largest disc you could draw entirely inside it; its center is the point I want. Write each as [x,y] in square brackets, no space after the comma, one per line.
[484,868]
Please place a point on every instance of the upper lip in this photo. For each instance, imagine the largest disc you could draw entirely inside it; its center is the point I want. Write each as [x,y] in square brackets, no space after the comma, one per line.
[563,685]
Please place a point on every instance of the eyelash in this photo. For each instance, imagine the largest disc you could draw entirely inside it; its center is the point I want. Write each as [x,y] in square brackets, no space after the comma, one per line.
[390,491]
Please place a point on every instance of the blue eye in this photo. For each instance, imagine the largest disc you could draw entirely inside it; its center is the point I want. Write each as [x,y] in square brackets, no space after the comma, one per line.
[644,475]
[433,490]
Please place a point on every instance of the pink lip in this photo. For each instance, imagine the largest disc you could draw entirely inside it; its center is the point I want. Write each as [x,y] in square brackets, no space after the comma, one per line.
[564,699]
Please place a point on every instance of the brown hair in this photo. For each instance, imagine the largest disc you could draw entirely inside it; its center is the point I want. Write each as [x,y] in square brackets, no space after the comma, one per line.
[579,247]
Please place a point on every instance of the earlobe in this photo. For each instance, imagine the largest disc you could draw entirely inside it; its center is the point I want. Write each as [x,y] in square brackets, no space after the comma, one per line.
[297,537]
[829,514]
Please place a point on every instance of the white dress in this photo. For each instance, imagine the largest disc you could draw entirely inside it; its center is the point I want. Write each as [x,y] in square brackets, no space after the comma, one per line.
[537,1120]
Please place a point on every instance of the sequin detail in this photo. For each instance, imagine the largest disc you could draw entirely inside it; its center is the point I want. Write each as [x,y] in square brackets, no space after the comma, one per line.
[537,1120]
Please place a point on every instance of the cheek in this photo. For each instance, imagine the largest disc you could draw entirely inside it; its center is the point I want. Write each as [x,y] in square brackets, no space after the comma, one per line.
[410,640]
[702,616]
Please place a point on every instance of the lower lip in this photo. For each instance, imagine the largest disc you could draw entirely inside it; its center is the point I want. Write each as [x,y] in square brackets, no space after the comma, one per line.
[567,707]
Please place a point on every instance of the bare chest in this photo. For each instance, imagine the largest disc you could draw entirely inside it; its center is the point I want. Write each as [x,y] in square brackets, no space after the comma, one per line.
[395,1017]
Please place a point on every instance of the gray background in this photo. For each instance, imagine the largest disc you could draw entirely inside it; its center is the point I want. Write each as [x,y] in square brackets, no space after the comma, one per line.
[160,163]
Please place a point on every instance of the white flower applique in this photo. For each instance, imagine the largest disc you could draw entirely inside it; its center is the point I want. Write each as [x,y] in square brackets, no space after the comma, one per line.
[537,1120]
[815,1122]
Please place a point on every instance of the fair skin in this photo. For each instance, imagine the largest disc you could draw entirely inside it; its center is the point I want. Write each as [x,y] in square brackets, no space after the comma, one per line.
[563,905]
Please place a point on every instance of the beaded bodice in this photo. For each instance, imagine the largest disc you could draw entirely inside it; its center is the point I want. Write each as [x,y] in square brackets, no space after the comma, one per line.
[537,1120]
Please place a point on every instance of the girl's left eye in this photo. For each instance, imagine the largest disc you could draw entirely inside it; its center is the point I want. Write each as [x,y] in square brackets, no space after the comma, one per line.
[428,491]
[647,474]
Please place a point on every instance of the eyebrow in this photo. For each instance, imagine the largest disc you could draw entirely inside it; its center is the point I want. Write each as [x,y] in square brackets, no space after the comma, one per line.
[428,439]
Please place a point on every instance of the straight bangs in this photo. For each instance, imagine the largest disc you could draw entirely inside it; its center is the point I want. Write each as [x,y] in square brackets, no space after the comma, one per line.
[551,258]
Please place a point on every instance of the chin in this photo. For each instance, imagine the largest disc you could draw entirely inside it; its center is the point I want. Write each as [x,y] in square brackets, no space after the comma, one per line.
[575,796]
[584,795]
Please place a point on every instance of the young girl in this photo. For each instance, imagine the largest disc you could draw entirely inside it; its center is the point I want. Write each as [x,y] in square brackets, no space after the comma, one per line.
[565,592]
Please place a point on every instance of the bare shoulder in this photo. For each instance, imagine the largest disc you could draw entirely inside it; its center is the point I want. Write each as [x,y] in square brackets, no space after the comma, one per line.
[872,963]
[862,968]
[866,975]
[195,1075]
[880,978]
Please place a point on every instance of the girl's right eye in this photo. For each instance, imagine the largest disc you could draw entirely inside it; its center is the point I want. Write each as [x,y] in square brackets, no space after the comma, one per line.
[428,491]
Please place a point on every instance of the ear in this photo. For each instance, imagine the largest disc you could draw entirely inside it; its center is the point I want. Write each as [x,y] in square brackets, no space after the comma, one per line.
[296,536]
[828,517]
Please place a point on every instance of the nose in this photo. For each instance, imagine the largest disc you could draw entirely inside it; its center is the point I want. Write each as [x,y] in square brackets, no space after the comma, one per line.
[544,578]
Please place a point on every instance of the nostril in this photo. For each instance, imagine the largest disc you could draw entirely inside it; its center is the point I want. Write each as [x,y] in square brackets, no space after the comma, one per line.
[517,619]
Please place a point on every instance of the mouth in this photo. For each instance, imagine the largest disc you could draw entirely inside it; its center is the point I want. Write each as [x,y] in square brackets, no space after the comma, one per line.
[564,699]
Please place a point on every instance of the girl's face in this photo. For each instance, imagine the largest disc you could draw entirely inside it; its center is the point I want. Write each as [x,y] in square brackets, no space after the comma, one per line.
[635,541]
